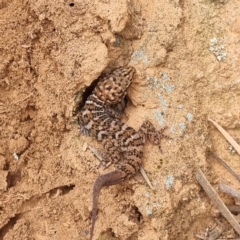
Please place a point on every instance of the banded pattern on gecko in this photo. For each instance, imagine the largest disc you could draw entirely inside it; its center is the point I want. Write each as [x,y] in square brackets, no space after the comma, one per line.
[100,119]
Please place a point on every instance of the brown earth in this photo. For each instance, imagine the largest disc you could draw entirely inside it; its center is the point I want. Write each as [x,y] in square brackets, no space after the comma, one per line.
[187,57]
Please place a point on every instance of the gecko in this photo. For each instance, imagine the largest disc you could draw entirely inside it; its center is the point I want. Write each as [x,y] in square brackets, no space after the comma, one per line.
[123,145]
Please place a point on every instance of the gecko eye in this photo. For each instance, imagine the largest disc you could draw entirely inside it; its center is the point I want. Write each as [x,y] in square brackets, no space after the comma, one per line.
[108,88]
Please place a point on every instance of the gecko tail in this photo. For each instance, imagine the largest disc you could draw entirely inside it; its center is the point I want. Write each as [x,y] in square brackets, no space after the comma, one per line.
[112,178]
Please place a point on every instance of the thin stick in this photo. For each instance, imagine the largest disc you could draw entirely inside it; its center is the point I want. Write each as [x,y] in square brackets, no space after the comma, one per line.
[142,171]
[229,190]
[226,166]
[21,100]
[226,135]
[216,200]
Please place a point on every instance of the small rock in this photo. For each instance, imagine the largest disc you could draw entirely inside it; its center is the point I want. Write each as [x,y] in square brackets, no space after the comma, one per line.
[18,145]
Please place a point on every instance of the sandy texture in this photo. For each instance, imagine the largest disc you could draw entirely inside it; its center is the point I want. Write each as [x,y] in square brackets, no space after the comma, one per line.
[187,57]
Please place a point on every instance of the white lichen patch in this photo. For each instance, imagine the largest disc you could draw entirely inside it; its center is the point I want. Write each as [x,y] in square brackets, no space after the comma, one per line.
[160,83]
[159,115]
[139,56]
[189,117]
[163,84]
[182,127]
[217,48]
[163,103]
[169,181]
[148,211]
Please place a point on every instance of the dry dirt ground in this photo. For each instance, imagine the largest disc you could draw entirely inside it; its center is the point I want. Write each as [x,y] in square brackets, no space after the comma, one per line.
[187,57]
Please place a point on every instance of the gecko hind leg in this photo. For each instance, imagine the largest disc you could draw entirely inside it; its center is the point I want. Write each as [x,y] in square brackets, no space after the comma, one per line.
[102,157]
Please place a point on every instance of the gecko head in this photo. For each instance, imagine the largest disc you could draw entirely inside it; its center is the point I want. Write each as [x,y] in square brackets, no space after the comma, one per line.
[112,87]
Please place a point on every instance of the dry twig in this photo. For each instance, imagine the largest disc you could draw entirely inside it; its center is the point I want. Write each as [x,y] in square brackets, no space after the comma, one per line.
[142,171]
[216,200]
[21,100]
[226,166]
[226,135]
[229,190]
[214,233]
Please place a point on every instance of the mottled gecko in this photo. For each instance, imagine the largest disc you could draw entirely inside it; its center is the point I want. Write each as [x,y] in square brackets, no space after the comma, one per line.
[100,118]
